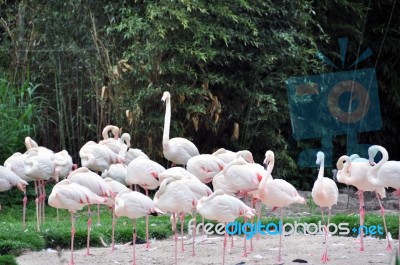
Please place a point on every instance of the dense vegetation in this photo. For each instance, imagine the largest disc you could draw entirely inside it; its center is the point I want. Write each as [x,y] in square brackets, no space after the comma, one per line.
[69,68]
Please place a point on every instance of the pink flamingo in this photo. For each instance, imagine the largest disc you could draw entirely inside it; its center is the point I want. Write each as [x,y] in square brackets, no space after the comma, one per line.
[277,193]
[385,173]
[73,197]
[9,179]
[16,164]
[112,143]
[144,172]
[132,154]
[224,209]
[228,156]
[116,187]
[84,177]
[205,167]
[354,172]
[180,196]
[39,165]
[134,205]
[178,150]
[325,194]
[117,172]
[99,157]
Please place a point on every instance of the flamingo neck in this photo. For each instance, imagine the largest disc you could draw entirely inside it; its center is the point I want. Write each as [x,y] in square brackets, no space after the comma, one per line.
[344,176]
[320,173]
[167,122]
[270,166]
[373,172]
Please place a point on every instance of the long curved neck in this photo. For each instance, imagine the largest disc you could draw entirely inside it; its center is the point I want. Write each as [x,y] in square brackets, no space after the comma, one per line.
[167,121]
[270,166]
[344,175]
[372,173]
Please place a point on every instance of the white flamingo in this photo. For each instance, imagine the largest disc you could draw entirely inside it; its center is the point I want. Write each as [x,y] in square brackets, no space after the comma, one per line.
[84,177]
[144,172]
[385,173]
[117,172]
[354,172]
[224,209]
[99,157]
[277,193]
[205,167]
[177,150]
[9,179]
[325,194]
[73,197]
[132,154]
[228,156]
[134,205]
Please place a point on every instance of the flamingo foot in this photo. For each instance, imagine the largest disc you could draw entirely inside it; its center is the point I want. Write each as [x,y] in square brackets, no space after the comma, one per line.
[389,248]
[325,258]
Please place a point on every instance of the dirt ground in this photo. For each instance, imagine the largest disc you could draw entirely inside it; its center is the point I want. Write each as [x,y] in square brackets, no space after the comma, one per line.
[305,248]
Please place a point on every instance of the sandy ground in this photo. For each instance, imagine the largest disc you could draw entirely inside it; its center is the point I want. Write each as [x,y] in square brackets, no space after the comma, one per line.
[342,250]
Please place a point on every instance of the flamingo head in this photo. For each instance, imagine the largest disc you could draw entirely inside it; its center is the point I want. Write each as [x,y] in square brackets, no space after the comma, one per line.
[166,96]
[269,156]
[372,151]
[21,187]
[247,155]
[320,158]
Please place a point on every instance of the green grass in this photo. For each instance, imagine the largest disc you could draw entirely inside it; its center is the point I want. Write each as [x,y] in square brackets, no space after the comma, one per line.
[8,260]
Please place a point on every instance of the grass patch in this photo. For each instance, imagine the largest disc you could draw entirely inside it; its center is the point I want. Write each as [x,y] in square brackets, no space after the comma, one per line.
[8,260]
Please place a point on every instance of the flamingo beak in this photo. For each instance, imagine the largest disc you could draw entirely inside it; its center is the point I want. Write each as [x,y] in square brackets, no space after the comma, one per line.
[21,187]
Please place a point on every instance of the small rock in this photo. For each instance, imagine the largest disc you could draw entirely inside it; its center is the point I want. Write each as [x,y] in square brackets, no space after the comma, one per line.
[300,261]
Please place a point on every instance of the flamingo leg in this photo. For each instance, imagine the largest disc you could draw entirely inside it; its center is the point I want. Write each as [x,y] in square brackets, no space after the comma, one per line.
[89,223]
[175,239]
[258,210]
[389,246]
[37,206]
[325,258]
[113,230]
[194,233]
[98,214]
[244,241]
[182,217]
[362,213]
[43,201]
[224,249]
[147,225]
[251,239]
[24,201]
[232,237]
[72,238]
[280,241]
[134,242]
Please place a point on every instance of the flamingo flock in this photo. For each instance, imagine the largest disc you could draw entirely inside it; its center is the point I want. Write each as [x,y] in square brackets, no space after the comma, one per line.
[111,168]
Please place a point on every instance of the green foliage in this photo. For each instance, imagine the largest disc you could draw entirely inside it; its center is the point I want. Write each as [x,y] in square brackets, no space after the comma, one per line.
[19,109]
[8,260]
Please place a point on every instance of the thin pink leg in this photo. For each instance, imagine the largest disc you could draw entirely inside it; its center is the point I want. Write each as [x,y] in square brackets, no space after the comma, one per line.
[259,208]
[24,201]
[182,217]
[223,253]
[280,241]
[325,257]
[389,246]
[244,240]
[89,223]
[72,238]
[134,242]
[43,202]
[362,213]
[251,239]
[194,234]
[147,225]
[113,230]
[175,239]
[37,205]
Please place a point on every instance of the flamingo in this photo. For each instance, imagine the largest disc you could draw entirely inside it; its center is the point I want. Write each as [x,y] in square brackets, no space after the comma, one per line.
[144,172]
[117,172]
[228,156]
[9,179]
[73,197]
[116,187]
[132,154]
[180,194]
[84,177]
[205,167]
[224,209]
[325,194]
[219,183]
[110,142]
[385,173]
[178,150]
[116,144]
[277,193]
[99,157]
[62,164]
[354,172]
[134,205]
[16,163]
[176,173]
[39,165]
